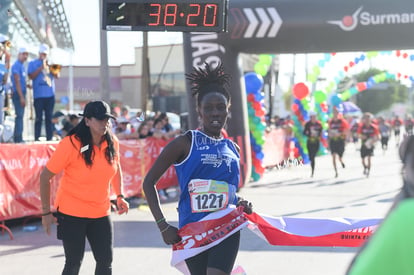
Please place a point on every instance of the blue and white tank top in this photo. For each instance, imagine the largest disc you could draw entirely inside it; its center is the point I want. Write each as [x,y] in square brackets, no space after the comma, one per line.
[210,164]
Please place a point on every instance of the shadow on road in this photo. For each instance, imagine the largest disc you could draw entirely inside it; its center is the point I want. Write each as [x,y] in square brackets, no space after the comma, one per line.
[353,203]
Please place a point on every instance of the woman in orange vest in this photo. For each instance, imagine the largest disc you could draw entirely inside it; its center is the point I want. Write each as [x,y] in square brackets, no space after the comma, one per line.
[89,159]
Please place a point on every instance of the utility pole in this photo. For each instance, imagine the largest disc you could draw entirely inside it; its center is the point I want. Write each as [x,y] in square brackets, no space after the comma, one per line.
[145,83]
[104,69]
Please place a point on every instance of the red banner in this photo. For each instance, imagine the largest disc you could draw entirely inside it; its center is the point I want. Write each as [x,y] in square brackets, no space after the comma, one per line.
[21,165]
[137,157]
[20,168]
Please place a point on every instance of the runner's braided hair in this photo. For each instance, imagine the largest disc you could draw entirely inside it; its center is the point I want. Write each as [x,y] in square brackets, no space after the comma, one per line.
[209,80]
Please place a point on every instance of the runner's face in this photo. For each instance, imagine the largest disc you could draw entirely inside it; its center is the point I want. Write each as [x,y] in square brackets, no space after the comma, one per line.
[367,120]
[213,112]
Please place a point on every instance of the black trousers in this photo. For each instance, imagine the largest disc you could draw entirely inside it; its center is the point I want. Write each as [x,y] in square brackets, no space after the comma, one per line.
[221,256]
[313,148]
[73,231]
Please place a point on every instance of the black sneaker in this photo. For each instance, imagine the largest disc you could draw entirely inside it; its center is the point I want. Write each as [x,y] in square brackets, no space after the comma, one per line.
[343,165]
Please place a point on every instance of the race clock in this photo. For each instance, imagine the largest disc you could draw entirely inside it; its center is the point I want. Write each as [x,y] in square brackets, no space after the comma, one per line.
[165,15]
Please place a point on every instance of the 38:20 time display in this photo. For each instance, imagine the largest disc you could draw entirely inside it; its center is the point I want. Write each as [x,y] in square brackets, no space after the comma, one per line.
[191,15]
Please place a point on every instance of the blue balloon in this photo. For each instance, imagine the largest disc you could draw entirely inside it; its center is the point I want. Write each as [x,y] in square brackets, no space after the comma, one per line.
[253,82]
[340,108]
[258,96]
[305,159]
[252,139]
[336,100]
[371,82]
[305,116]
[260,155]
[412,57]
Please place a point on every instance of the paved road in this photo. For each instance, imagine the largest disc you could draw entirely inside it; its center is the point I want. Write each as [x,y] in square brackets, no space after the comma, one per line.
[285,192]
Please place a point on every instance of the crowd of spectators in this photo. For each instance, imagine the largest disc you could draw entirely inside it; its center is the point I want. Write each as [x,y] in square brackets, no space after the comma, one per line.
[142,126]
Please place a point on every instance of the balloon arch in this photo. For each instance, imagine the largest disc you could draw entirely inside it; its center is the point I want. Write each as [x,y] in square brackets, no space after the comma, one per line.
[305,102]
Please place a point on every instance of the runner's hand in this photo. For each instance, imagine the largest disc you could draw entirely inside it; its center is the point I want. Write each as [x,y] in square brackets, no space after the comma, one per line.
[247,206]
[170,235]
[47,221]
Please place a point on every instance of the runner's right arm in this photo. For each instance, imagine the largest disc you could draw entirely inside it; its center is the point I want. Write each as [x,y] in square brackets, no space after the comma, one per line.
[174,152]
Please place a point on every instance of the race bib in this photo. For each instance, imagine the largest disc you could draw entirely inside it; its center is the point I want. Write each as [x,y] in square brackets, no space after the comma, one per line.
[369,143]
[208,195]
[314,133]
[333,132]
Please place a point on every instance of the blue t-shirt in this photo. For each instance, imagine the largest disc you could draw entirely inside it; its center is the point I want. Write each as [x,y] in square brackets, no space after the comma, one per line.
[40,86]
[209,159]
[18,68]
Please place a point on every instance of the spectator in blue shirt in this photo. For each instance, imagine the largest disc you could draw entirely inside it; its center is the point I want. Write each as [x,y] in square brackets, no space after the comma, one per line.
[4,72]
[43,92]
[18,79]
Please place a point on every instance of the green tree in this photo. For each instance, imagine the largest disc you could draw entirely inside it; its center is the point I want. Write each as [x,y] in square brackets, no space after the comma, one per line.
[382,95]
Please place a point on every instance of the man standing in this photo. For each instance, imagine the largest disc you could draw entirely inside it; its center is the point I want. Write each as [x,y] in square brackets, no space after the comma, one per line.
[18,79]
[369,135]
[43,92]
[337,133]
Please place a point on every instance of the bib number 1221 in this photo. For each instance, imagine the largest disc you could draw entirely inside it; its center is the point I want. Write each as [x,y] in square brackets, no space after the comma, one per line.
[208,202]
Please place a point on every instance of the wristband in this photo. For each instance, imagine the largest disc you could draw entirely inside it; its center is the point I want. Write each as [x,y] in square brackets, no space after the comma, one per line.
[160,220]
[47,213]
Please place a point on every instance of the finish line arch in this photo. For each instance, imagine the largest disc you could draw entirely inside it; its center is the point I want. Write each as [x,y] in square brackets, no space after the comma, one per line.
[293,26]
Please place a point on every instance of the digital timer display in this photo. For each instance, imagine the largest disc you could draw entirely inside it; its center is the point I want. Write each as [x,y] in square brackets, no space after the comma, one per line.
[166,15]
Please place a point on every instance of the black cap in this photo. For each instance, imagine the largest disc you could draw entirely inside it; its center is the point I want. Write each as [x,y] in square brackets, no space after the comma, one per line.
[98,109]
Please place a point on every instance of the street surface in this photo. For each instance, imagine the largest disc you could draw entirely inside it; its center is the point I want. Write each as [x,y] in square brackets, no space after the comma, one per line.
[289,191]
